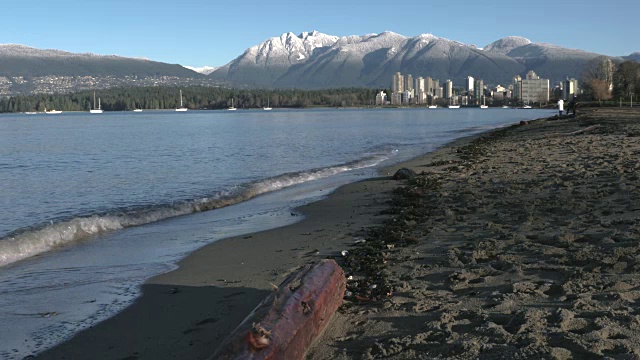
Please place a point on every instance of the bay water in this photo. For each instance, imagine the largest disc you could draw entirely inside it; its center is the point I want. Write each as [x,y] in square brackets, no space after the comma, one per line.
[94,204]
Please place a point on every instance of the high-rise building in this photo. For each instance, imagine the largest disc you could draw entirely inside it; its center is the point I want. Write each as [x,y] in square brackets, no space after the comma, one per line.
[569,89]
[468,85]
[408,83]
[428,86]
[517,89]
[435,85]
[478,91]
[420,91]
[397,88]
[447,89]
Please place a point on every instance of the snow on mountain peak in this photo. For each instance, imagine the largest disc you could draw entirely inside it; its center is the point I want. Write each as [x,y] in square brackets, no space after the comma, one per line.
[206,70]
[505,45]
[305,34]
[426,36]
[289,47]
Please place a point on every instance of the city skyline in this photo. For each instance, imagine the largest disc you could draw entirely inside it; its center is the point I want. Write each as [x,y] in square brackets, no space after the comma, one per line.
[407,90]
[196,33]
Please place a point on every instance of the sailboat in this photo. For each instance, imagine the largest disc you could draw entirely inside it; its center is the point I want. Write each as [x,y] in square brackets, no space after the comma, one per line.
[95,110]
[267,108]
[181,108]
[483,106]
[231,108]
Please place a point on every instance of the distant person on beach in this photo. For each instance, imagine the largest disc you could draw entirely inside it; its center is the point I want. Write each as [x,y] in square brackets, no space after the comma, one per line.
[560,107]
[573,104]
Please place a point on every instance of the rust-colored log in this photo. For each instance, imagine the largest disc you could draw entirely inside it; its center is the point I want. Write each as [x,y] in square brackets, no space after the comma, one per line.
[286,323]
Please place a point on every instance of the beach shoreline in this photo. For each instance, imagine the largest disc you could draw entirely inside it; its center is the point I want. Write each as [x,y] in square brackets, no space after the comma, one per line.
[174,316]
[522,244]
[188,312]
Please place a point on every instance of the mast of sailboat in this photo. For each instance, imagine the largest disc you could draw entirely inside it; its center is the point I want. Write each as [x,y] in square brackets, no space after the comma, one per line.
[94,99]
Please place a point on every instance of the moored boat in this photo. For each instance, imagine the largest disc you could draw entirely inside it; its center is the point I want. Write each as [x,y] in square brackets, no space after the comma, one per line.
[181,108]
[232,108]
[95,110]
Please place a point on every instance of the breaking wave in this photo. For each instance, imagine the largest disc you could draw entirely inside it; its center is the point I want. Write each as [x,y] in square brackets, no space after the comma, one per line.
[27,243]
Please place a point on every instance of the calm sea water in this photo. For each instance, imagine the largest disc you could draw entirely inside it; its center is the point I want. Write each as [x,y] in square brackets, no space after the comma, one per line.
[92,205]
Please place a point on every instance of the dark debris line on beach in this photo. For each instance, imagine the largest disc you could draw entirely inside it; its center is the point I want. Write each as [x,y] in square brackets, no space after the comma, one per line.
[366,262]
[516,245]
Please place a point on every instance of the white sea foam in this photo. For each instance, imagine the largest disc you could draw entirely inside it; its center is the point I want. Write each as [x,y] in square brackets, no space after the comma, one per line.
[33,242]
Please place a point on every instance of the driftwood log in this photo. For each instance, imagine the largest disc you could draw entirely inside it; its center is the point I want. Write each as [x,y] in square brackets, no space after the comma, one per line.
[286,323]
[577,132]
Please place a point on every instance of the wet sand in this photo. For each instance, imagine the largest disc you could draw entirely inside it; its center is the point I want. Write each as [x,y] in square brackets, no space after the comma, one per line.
[522,243]
[187,313]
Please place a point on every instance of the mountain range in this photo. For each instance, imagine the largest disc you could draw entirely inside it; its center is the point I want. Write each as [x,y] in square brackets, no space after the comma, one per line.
[21,60]
[317,60]
[311,60]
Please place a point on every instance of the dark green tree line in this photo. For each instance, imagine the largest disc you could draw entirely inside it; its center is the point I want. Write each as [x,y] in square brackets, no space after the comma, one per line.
[626,80]
[193,97]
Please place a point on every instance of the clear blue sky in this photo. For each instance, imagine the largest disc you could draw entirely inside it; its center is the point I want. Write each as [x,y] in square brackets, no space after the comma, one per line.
[199,32]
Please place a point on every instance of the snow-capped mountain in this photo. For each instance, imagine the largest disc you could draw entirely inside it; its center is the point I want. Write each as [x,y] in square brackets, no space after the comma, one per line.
[316,60]
[505,45]
[275,55]
[205,70]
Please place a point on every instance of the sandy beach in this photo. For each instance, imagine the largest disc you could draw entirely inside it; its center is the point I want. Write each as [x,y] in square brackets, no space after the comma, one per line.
[520,243]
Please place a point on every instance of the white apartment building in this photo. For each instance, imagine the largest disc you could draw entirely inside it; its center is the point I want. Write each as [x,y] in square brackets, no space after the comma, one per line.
[420,91]
[532,89]
[468,85]
[381,98]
